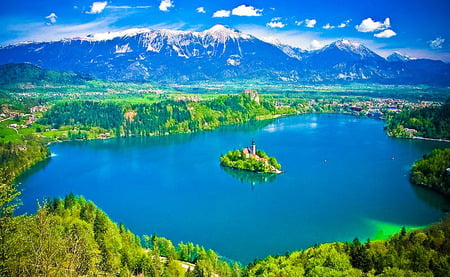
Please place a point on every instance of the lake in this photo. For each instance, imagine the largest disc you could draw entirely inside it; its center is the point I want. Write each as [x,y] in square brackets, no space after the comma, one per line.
[344,178]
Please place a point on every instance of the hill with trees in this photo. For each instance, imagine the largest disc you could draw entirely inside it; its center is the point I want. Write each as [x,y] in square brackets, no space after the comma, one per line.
[160,118]
[429,122]
[25,74]
[433,171]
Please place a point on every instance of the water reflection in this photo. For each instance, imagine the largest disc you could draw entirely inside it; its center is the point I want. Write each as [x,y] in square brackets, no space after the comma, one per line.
[248,177]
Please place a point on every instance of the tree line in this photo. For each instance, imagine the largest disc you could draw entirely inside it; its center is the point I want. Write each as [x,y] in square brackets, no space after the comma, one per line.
[164,117]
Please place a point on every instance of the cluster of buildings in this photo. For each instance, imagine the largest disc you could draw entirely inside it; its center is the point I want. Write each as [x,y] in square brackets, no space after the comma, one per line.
[379,107]
[25,119]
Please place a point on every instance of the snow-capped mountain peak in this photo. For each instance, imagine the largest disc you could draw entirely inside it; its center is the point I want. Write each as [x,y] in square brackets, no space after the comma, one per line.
[346,44]
[352,48]
[113,35]
[398,57]
[222,33]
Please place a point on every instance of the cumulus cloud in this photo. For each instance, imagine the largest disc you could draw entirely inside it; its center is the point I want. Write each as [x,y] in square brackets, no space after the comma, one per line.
[437,43]
[386,34]
[328,26]
[275,24]
[222,13]
[52,18]
[298,23]
[315,44]
[97,7]
[369,25]
[201,10]
[165,5]
[310,23]
[244,10]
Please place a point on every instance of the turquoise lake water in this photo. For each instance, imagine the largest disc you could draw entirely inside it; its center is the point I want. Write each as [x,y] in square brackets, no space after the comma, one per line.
[342,174]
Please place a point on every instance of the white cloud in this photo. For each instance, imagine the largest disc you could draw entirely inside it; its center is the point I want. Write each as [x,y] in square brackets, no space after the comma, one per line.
[315,44]
[244,10]
[276,24]
[222,13]
[52,18]
[386,34]
[295,38]
[328,26]
[201,10]
[437,43]
[41,32]
[310,23]
[97,7]
[165,5]
[369,25]
[298,23]
[344,24]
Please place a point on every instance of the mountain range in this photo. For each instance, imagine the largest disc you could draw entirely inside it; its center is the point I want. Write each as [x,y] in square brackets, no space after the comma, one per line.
[220,54]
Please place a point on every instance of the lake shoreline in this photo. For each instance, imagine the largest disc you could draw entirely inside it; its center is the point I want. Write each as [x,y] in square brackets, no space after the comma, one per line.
[326,125]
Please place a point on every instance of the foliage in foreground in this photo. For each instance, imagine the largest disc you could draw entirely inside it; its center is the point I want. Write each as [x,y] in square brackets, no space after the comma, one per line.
[419,253]
[432,171]
[72,237]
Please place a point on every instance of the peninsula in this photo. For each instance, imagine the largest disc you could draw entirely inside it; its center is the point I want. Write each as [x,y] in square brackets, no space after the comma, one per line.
[250,159]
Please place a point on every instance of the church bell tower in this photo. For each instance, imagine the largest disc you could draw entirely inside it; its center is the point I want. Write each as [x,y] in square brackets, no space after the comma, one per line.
[253,147]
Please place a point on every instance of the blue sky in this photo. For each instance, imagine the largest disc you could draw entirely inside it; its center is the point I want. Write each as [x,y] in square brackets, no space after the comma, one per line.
[417,28]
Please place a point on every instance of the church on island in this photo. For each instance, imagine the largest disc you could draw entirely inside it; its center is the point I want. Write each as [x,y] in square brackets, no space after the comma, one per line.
[251,159]
[251,152]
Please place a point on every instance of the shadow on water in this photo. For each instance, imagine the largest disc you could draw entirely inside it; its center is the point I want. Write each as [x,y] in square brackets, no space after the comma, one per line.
[432,198]
[31,171]
[124,143]
[248,177]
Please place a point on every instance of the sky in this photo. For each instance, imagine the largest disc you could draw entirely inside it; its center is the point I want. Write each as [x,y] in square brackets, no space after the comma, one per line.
[418,28]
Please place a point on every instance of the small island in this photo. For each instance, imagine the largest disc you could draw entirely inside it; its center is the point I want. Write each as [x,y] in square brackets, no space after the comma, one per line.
[250,159]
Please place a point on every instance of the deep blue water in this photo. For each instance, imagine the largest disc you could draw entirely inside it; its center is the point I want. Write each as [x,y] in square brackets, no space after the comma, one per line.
[341,173]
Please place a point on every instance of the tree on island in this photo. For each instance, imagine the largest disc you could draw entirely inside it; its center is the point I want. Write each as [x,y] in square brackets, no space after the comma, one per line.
[251,159]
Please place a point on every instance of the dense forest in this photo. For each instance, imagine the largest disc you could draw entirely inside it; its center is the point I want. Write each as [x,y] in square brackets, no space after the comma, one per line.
[164,117]
[430,122]
[433,171]
[260,163]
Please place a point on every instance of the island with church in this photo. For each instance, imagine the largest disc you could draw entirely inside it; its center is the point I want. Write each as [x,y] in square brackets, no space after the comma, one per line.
[250,159]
